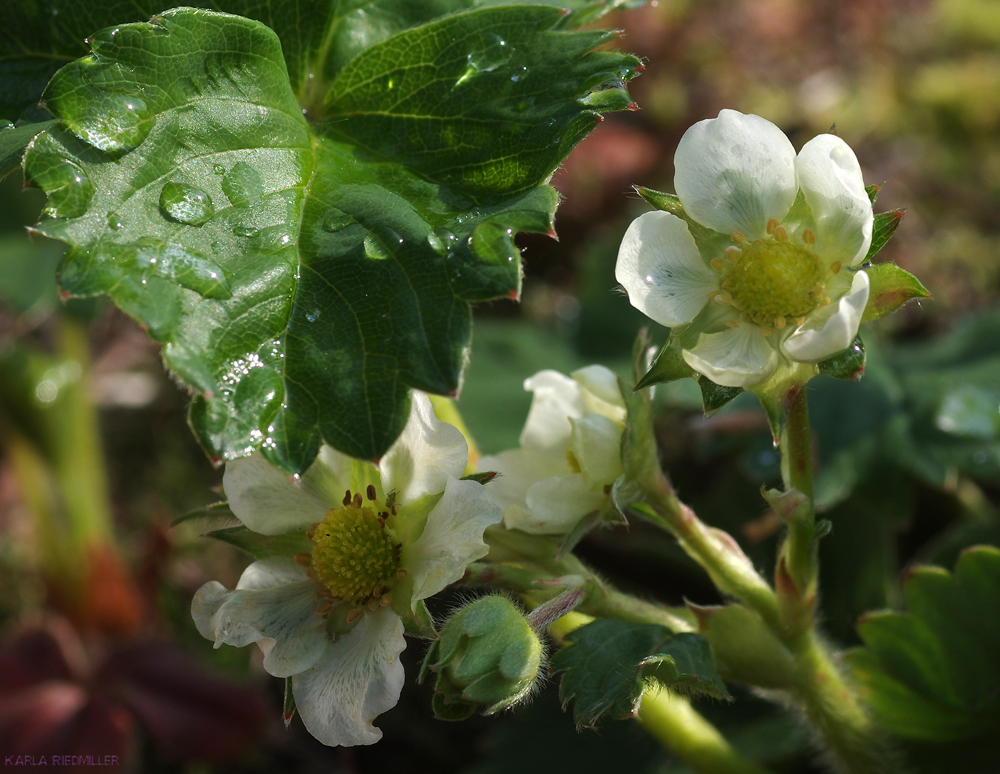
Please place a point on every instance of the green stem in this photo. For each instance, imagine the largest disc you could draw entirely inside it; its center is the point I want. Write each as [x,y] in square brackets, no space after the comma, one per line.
[601,599]
[78,459]
[687,734]
[834,710]
[716,551]
[797,471]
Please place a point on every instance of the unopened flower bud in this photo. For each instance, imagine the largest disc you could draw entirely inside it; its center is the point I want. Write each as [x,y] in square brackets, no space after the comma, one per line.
[487,654]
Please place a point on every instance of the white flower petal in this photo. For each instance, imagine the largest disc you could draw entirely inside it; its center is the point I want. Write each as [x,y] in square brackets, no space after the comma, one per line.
[734,172]
[830,329]
[357,679]
[271,503]
[662,271]
[831,181]
[556,398]
[602,384]
[427,453]
[452,539]
[555,505]
[738,357]
[519,469]
[596,444]
[276,607]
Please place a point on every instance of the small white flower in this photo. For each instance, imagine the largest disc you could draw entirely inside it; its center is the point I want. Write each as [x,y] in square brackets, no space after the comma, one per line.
[570,452]
[768,279]
[382,537]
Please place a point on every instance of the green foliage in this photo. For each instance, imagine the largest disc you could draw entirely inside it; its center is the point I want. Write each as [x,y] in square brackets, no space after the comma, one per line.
[302,276]
[608,662]
[13,141]
[931,673]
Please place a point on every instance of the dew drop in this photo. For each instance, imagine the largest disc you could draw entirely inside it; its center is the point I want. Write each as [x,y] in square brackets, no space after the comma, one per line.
[218,169]
[68,187]
[441,240]
[216,247]
[491,54]
[334,220]
[186,204]
[312,315]
[381,242]
[114,123]
[519,73]
[243,185]
[243,230]
[115,221]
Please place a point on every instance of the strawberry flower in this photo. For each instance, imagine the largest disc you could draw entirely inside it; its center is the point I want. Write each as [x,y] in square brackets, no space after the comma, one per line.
[759,261]
[380,539]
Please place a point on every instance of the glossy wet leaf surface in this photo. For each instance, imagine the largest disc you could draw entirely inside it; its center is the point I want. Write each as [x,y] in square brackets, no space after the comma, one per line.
[307,255]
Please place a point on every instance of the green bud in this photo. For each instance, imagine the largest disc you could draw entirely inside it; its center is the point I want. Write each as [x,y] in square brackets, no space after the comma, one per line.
[487,654]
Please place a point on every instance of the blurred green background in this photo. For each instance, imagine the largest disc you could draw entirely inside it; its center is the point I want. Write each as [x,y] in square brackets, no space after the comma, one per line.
[97,458]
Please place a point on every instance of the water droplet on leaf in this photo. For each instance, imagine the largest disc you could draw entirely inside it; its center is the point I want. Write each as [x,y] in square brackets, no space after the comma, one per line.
[114,221]
[441,240]
[381,243]
[68,187]
[491,54]
[243,230]
[335,220]
[243,185]
[114,123]
[218,169]
[216,247]
[186,204]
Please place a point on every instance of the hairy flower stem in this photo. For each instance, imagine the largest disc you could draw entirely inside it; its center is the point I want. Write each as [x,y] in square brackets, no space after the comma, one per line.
[716,551]
[851,738]
[687,734]
[601,599]
[795,575]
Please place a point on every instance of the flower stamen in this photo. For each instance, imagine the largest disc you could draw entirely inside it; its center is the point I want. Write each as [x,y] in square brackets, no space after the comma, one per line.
[809,236]
[717,264]
[354,555]
[772,224]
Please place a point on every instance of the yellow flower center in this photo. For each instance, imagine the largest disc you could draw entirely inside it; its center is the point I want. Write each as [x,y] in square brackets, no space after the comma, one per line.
[774,280]
[354,555]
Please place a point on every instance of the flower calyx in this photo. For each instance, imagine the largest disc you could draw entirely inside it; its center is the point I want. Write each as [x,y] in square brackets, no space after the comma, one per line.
[487,655]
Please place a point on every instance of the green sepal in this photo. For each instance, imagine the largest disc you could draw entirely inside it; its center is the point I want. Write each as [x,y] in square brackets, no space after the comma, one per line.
[480,478]
[705,238]
[872,191]
[417,621]
[262,546]
[289,709]
[849,364]
[884,227]
[661,201]
[668,366]
[219,510]
[891,287]
[777,392]
[607,663]
[450,710]
[715,396]
[13,141]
